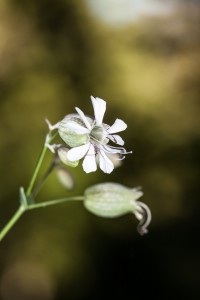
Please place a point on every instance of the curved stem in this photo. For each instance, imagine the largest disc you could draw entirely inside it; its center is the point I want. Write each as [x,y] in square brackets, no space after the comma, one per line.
[53,202]
[12,221]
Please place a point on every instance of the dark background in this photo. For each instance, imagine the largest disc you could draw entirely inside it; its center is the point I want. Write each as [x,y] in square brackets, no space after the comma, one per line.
[53,56]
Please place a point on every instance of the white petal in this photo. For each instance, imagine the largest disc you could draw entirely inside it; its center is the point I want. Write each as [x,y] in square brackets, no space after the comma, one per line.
[99,106]
[75,127]
[83,117]
[89,163]
[118,126]
[77,153]
[115,138]
[105,163]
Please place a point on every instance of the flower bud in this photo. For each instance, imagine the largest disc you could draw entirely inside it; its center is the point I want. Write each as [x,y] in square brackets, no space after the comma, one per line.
[65,178]
[113,200]
[62,153]
[71,130]
[110,199]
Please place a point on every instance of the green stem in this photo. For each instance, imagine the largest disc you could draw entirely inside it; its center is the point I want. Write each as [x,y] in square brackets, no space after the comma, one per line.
[53,202]
[48,139]
[41,157]
[12,221]
[24,197]
[44,178]
[23,208]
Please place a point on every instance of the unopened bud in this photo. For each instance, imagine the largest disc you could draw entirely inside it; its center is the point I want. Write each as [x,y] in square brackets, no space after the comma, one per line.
[113,200]
[62,153]
[65,178]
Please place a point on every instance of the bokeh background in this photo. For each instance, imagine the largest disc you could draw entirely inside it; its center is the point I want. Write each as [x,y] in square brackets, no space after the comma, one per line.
[143,58]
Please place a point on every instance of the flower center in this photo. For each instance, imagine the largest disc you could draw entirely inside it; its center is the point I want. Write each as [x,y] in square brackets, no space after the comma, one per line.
[98,133]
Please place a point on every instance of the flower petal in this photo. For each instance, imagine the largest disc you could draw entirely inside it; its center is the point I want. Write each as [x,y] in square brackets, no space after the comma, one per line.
[115,138]
[118,126]
[105,163]
[83,118]
[75,127]
[74,123]
[89,163]
[99,106]
[77,153]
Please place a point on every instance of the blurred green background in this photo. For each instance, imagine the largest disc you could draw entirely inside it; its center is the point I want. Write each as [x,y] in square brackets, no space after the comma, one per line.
[143,58]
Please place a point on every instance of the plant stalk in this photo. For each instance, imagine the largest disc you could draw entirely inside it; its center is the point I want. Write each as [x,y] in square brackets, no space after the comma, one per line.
[12,221]
[53,202]
[38,165]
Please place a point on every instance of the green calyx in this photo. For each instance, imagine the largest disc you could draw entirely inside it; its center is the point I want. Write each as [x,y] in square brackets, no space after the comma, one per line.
[111,199]
[70,131]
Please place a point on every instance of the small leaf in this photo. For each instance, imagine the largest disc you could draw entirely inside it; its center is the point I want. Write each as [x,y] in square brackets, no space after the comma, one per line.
[22,197]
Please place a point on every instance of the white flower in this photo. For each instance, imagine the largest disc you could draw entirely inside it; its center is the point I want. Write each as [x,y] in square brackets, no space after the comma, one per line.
[89,138]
